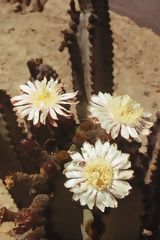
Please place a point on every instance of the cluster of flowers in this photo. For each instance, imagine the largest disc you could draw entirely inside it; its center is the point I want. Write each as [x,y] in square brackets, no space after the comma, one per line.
[97,175]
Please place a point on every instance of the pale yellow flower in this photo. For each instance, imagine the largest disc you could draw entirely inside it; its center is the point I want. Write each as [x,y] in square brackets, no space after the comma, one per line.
[43,99]
[98,175]
[120,114]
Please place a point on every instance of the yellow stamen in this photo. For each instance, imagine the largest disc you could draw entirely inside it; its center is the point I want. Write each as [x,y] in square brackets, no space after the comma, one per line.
[125,109]
[99,174]
[44,98]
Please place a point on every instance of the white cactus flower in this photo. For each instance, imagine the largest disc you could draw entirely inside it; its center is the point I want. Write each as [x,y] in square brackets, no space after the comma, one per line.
[120,115]
[97,176]
[43,99]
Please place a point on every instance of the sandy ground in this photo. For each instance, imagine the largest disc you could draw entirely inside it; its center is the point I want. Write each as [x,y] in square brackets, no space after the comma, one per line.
[31,35]
[137,62]
[145,13]
[6,201]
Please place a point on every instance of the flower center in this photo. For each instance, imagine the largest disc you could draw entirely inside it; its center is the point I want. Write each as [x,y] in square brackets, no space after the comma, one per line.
[125,109]
[99,174]
[44,98]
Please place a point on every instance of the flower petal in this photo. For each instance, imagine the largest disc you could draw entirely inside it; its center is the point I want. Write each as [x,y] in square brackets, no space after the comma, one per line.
[60,112]
[80,189]
[115,131]
[98,147]
[104,149]
[53,113]
[43,117]
[121,185]
[112,153]
[132,132]
[123,175]
[77,157]
[92,199]
[31,85]
[36,117]
[66,96]
[124,132]
[74,174]
[31,114]
[99,202]
[109,200]
[26,89]
[84,197]
[73,182]
[120,160]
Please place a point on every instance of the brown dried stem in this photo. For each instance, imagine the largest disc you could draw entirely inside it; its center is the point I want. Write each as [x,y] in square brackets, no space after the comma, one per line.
[27,218]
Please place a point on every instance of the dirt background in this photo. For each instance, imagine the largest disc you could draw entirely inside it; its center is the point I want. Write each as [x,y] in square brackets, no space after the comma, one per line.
[32,34]
[144,13]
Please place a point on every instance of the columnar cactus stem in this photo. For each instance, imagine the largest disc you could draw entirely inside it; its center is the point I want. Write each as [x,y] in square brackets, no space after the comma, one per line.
[151,219]
[89,44]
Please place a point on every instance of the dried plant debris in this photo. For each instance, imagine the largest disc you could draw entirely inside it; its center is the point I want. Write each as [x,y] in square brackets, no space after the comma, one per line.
[27,218]
[89,131]
[27,5]
[49,164]
[89,44]
[39,70]
[35,182]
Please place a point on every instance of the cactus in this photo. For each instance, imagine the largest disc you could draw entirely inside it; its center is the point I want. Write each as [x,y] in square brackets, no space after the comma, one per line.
[151,220]
[89,42]
[41,152]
